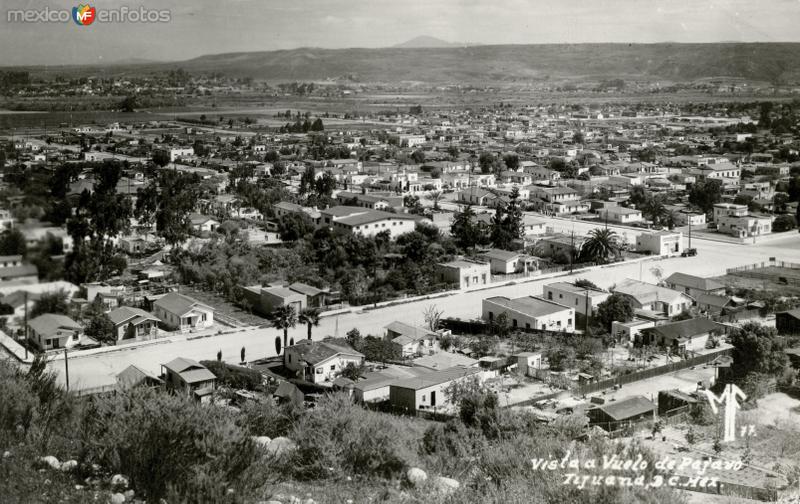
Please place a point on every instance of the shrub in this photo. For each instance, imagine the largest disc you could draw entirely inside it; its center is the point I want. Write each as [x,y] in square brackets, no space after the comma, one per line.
[340,438]
[170,445]
[236,377]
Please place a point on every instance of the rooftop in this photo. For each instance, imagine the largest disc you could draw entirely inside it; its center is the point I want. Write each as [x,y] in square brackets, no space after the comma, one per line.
[627,408]
[529,305]
[435,378]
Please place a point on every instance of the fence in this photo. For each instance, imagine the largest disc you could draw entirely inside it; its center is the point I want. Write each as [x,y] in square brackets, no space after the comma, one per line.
[644,374]
[478,326]
[762,265]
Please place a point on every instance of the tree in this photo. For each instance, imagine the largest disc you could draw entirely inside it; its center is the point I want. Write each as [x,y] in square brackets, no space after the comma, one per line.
[51,302]
[418,156]
[560,358]
[293,226]
[354,338]
[602,244]
[784,223]
[436,197]
[432,317]
[283,317]
[466,230]
[352,371]
[317,125]
[705,194]
[583,283]
[616,308]
[13,242]
[97,324]
[511,160]
[168,202]
[489,163]
[757,349]
[655,210]
[310,317]
[161,157]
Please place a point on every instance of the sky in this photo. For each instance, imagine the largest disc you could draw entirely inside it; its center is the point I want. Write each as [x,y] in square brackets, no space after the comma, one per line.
[198,27]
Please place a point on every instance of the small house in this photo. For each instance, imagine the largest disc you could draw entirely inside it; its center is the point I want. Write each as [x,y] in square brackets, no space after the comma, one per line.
[188,377]
[619,414]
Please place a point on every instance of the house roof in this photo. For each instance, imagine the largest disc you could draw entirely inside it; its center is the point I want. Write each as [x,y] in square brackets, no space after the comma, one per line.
[191,371]
[435,378]
[126,313]
[308,290]
[646,293]
[17,298]
[627,408]
[462,263]
[178,304]
[132,376]
[712,300]
[694,282]
[18,271]
[570,287]
[49,323]
[314,352]
[11,258]
[791,313]
[529,305]
[372,216]
[501,255]
[684,329]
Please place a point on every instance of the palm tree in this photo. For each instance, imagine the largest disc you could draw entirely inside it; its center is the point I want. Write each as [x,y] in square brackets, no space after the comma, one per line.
[283,317]
[436,197]
[310,317]
[601,244]
[655,210]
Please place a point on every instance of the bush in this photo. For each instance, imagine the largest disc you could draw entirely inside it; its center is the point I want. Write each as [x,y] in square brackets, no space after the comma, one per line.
[340,438]
[170,445]
[235,377]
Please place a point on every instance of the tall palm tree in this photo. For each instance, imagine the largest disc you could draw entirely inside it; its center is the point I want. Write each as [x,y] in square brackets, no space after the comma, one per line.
[436,197]
[310,317]
[601,244]
[283,317]
[655,210]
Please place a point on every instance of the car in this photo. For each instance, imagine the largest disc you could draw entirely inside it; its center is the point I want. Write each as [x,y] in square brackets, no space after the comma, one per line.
[690,252]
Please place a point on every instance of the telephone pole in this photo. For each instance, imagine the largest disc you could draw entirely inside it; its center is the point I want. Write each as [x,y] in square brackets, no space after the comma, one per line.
[66,369]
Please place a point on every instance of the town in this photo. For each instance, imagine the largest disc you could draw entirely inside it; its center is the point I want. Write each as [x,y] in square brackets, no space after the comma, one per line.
[312,292]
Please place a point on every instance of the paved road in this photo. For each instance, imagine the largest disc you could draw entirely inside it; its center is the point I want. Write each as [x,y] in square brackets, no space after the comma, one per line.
[712,259]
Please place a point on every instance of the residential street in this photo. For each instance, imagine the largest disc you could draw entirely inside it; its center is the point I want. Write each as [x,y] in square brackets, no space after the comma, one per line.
[712,259]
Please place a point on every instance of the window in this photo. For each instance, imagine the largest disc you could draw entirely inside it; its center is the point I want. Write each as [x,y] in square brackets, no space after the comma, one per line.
[569,321]
[75,337]
[423,397]
[333,367]
[319,370]
[558,324]
[576,301]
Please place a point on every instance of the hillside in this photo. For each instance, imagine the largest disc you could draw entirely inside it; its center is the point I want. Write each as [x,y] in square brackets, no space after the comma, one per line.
[771,62]
[424,41]
[677,62]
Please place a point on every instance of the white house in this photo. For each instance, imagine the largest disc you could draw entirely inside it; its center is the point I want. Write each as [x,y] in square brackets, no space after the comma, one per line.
[320,362]
[661,243]
[582,299]
[183,313]
[464,273]
[51,331]
[621,215]
[531,313]
[427,391]
[654,298]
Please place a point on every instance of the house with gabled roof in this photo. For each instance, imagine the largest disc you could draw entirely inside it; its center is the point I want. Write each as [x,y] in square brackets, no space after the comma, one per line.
[179,312]
[692,285]
[651,298]
[319,361]
[51,331]
[185,376]
[132,323]
[411,340]
[682,336]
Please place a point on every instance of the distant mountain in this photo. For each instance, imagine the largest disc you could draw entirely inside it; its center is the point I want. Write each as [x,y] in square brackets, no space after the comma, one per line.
[771,62]
[424,41]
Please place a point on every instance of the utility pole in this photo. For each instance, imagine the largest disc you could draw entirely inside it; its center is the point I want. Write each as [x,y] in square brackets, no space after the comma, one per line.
[571,249]
[26,325]
[66,369]
[586,319]
[690,230]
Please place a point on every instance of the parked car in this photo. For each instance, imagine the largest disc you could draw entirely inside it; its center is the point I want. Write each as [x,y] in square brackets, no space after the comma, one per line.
[690,252]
